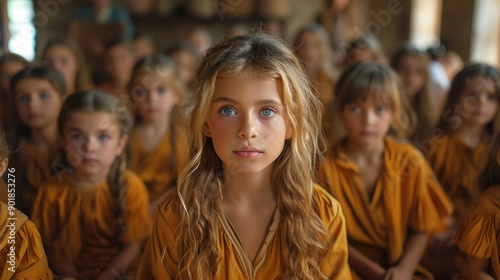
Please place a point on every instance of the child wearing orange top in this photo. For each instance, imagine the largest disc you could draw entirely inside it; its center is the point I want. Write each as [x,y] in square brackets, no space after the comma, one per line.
[155,149]
[119,59]
[470,120]
[64,55]
[412,66]
[311,47]
[94,215]
[37,94]
[21,249]
[388,193]
[478,235]
[246,206]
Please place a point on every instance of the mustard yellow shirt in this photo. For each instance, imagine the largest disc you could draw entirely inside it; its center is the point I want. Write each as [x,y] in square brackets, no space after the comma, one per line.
[160,261]
[479,233]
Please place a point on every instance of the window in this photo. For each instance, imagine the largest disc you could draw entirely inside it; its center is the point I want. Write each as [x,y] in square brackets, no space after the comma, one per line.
[425,23]
[22,31]
[485,41]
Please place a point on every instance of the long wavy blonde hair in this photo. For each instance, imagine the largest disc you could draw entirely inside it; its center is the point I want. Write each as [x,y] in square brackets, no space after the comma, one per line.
[201,182]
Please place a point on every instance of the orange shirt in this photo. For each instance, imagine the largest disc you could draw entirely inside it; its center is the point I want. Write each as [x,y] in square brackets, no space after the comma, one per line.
[22,256]
[479,233]
[36,169]
[158,169]
[406,196]
[458,167]
[78,225]
[160,259]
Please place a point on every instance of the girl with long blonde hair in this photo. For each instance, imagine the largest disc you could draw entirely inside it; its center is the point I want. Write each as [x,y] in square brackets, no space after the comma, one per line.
[246,206]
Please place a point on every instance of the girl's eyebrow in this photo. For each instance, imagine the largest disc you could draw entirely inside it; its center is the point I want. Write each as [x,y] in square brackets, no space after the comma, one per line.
[76,129]
[261,102]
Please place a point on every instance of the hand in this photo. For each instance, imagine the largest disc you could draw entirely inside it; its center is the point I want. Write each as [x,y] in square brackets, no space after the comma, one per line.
[398,273]
[441,242]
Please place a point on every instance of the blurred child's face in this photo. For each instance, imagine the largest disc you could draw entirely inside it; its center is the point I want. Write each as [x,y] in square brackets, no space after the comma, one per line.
[479,101]
[37,102]
[186,64]
[118,64]
[410,69]
[92,142]
[142,48]
[7,70]
[310,49]
[247,124]
[360,55]
[339,5]
[199,41]
[154,95]
[366,121]
[63,60]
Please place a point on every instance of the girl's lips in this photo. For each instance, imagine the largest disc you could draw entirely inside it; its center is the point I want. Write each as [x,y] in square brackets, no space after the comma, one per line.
[89,160]
[247,154]
[367,133]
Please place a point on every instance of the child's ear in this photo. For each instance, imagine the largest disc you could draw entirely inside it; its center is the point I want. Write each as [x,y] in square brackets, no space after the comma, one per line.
[206,130]
[3,165]
[121,145]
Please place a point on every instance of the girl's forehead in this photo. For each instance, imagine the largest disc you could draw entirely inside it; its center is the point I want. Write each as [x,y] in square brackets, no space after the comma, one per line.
[153,76]
[34,83]
[92,120]
[481,83]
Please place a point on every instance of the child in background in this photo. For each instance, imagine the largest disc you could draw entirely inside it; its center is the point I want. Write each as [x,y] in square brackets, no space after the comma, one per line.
[388,193]
[37,93]
[94,215]
[119,59]
[479,233]
[199,38]
[311,47]
[246,206]
[10,64]
[470,120]
[187,62]
[364,48]
[143,45]
[155,149]
[412,66]
[21,249]
[64,55]
[340,18]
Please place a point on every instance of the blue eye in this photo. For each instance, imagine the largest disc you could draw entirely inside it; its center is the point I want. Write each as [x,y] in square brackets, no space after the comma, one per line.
[227,111]
[471,95]
[45,95]
[381,109]
[23,98]
[138,93]
[354,109]
[104,137]
[77,137]
[268,112]
[162,90]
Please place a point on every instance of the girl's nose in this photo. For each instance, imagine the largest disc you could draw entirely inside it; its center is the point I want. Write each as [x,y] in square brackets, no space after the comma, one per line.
[247,128]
